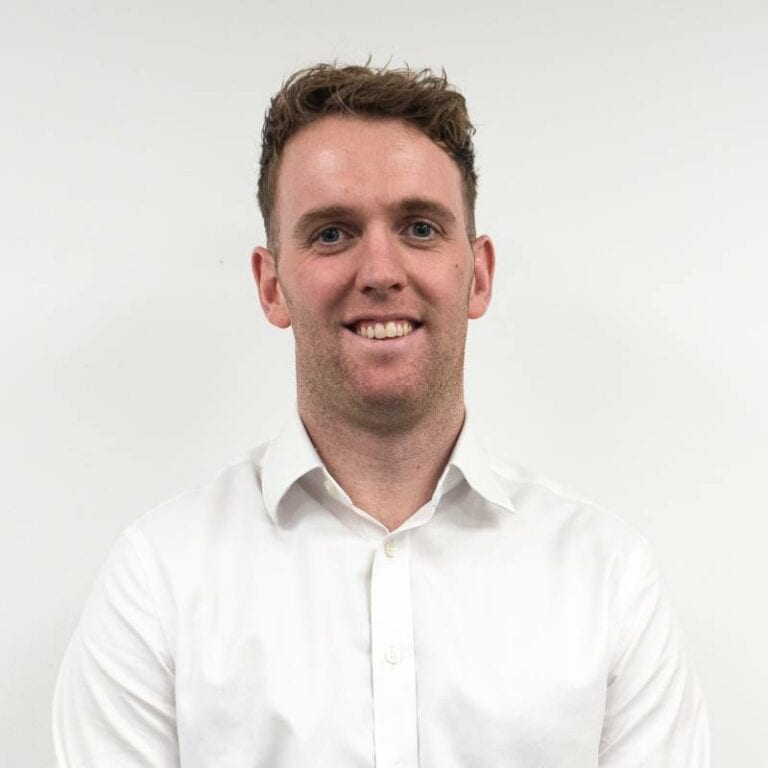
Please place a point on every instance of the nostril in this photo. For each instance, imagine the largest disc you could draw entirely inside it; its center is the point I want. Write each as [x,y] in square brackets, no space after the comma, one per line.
[372,287]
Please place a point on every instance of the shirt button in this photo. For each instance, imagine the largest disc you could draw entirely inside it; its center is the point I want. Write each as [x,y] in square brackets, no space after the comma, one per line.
[330,487]
[390,548]
[392,655]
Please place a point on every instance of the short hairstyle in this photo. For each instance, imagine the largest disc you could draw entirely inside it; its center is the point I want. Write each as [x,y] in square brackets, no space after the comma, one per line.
[421,98]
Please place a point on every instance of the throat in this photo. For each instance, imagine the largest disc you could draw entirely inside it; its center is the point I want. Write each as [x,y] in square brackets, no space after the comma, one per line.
[392,474]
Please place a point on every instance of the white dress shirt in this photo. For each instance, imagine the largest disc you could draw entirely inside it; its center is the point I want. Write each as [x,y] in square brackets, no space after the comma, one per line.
[266,622]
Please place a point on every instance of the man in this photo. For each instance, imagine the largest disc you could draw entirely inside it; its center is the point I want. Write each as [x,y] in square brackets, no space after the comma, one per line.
[370,588]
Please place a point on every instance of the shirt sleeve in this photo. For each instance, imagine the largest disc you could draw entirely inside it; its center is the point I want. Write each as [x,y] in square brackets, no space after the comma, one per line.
[114,700]
[655,715]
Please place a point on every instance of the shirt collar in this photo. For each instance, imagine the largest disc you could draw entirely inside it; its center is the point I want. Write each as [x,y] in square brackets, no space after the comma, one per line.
[291,455]
[469,458]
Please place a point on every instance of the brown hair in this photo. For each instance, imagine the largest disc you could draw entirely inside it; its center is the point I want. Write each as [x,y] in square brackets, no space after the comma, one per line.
[422,98]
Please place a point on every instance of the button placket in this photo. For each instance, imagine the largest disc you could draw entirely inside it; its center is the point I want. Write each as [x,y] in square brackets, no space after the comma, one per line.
[393,668]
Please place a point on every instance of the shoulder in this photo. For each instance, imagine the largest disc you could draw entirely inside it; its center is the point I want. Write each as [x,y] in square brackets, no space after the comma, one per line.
[229,505]
[554,512]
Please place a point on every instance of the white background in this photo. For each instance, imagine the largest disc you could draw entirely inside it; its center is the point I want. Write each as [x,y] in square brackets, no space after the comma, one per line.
[623,156]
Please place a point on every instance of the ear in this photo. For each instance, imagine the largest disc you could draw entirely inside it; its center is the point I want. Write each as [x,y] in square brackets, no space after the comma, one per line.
[482,280]
[270,293]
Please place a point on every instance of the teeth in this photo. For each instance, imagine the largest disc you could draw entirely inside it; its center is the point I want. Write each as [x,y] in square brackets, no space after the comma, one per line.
[388,330]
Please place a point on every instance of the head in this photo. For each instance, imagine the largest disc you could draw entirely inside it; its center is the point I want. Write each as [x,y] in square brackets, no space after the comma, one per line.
[367,195]
[421,98]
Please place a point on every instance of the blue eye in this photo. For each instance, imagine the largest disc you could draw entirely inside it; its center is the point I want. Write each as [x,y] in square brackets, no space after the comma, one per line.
[330,235]
[422,229]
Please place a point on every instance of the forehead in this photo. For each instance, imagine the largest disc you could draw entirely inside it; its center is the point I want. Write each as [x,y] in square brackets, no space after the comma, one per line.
[361,163]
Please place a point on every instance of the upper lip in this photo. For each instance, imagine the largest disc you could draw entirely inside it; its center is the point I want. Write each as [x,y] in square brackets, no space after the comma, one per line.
[383,319]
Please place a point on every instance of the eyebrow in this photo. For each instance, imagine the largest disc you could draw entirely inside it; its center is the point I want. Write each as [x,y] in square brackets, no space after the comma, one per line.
[408,205]
[426,206]
[317,215]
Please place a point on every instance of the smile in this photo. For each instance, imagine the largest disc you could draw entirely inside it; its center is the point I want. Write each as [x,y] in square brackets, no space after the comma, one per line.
[389,330]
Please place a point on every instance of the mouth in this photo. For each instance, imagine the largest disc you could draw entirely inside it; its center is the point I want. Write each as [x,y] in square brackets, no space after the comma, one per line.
[383,330]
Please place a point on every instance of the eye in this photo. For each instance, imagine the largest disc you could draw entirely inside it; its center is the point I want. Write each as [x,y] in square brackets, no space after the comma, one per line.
[329,236]
[330,239]
[422,230]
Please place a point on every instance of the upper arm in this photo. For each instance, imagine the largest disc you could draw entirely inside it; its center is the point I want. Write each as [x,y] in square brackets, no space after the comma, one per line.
[655,713]
[114,702]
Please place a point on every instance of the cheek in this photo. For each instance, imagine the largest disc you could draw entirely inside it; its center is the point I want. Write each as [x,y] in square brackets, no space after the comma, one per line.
[313,308]
[323,280]
[450,288]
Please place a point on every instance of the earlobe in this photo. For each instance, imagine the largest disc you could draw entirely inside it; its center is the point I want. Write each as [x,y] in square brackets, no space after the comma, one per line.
[482,280]
[270,292]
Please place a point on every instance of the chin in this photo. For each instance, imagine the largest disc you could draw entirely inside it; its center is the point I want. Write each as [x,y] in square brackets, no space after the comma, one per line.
[391,408]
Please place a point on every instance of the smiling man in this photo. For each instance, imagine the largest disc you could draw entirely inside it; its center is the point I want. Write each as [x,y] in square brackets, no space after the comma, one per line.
[374,266]
[370,588]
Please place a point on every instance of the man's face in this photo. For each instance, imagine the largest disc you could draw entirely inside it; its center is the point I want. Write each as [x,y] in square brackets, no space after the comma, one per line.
[372,241]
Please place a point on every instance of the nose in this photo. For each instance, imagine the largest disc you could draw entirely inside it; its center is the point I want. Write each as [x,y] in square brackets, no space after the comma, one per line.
[380,269]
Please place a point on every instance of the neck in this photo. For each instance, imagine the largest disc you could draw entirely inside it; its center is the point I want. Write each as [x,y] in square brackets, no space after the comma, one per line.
[388,471]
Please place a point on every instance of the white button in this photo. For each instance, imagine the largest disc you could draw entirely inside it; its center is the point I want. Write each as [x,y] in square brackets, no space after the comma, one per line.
[330,487]
[390,548]
[392,655]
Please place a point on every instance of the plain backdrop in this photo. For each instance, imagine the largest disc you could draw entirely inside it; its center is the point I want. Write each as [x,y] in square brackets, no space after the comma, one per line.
[623,158]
